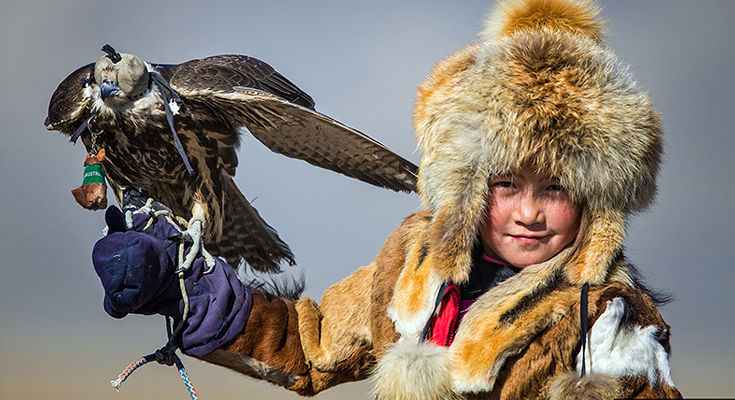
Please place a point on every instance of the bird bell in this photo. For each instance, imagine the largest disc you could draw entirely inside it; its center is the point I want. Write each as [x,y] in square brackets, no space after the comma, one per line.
[92,194]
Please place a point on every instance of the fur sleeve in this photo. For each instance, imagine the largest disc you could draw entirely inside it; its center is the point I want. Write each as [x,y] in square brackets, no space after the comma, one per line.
[629,340]
[269,347]
[306,347]
[292,344]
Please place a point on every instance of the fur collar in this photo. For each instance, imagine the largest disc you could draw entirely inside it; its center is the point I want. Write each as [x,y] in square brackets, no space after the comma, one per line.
[501,322]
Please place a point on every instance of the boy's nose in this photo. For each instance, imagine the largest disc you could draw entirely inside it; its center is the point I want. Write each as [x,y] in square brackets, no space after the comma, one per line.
[529,210]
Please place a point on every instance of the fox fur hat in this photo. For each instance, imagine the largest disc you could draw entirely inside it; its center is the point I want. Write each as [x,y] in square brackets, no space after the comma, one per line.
[541,88]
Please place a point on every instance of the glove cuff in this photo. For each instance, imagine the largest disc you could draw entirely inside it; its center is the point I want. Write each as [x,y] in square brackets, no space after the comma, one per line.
[219,308]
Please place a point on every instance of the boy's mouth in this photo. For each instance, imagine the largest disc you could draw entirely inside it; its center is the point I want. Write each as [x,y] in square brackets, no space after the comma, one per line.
[529,238]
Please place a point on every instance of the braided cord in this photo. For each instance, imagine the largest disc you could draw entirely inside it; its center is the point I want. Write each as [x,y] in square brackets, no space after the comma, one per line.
[167,354]
[129,370]
[185,378]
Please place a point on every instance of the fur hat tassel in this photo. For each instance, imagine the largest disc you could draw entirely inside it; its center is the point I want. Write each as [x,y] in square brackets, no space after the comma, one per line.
[414,371]
[571,386]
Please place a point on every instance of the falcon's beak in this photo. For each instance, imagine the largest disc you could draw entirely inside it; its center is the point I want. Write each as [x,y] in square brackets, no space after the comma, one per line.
[108,88]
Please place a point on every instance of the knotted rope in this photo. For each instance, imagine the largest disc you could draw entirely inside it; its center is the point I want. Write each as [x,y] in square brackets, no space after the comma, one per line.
[167,354]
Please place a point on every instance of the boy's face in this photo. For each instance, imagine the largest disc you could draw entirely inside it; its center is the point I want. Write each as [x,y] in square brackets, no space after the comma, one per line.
[530,219]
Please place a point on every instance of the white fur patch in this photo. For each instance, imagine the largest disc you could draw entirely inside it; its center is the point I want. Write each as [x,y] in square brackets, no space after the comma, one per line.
[410,326]
[622,352]
[412,371]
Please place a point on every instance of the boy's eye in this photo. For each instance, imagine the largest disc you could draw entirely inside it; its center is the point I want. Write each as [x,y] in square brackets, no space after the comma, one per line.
[505,184]
[556,188]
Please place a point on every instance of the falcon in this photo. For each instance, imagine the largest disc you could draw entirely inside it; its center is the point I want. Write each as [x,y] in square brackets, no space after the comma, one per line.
[171,132]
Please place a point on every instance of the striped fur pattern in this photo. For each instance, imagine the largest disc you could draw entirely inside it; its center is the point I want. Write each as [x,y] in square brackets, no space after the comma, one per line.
[520,340]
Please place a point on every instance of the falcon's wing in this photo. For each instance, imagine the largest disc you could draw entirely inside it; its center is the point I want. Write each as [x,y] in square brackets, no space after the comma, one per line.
[245,234]
[67,108]
[223,73]
[249,93]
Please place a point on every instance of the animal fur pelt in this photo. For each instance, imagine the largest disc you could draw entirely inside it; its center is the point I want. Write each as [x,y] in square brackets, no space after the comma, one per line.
[414,371]
[592,387]
[541,89]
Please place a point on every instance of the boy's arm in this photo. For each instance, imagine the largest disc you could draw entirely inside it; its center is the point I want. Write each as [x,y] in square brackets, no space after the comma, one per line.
[306,347]
[292,343]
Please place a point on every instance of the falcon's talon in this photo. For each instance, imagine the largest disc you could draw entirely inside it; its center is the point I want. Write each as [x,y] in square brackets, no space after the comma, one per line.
[193,233]
[129,218]
[209,259]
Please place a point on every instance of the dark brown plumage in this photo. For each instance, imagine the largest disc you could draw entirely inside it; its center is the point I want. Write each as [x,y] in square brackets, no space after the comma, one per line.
[220,95]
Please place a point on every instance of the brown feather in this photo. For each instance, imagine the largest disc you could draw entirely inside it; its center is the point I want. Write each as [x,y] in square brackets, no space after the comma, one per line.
[221,95]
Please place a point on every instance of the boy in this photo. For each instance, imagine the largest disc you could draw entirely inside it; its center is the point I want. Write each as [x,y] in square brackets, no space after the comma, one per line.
[537,145]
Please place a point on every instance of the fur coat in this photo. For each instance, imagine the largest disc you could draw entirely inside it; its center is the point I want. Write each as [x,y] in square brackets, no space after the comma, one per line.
[541,88]
[520,340]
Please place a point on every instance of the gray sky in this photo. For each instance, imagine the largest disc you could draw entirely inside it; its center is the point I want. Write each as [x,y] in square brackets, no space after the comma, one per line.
[361,61]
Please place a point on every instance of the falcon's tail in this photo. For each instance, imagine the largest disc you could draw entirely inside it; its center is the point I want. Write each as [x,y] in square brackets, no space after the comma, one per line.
[245,235]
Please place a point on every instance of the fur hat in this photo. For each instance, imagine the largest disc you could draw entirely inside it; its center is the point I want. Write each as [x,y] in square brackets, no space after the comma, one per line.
[541,88]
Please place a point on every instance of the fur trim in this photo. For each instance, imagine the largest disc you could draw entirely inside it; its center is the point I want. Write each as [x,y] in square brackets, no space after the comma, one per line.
[502,321]
[498,326]
[410,313]
[597,245]
[411,371]
[550,95]
[570,386]
[619,352]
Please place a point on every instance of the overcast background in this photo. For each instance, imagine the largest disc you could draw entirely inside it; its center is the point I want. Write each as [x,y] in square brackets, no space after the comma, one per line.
[361,61]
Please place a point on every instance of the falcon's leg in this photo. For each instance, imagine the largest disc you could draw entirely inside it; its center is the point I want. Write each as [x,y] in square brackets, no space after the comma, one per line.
[194,234]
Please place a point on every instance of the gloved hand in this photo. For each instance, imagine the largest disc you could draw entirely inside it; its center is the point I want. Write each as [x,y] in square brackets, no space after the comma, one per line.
[137,270]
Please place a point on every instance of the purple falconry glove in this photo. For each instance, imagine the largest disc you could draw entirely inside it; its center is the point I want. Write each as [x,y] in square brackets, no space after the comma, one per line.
[137,270]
